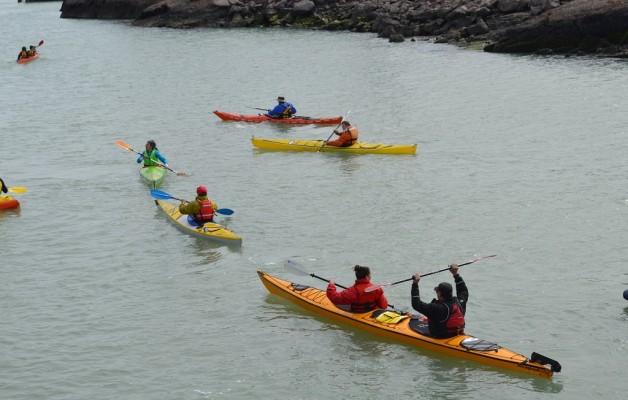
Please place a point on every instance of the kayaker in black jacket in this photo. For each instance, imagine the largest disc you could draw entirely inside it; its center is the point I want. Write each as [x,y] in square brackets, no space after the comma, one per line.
[3,187]
[446,312]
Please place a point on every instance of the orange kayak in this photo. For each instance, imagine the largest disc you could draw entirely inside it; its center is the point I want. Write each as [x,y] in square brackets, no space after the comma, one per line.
[415,332]
[8,202]
[296,120]
[28,59]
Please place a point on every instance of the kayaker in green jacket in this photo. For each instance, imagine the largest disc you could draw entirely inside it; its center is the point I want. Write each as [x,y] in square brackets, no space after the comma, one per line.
[201,207]
[151,156]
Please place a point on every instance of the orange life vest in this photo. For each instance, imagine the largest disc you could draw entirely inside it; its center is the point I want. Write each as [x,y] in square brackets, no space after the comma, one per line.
[206,212]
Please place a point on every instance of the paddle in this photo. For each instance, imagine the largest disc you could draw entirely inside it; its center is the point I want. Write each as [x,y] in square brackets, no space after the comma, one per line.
[17,189]
[261,109]
[293,266]
[332,133]
[126,146]
[158,194]
[371,288]
[41,42]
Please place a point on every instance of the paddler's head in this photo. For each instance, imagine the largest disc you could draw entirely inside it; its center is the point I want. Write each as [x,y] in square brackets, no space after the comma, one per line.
[201,191]
[444,290]
[362,272]
[151,145]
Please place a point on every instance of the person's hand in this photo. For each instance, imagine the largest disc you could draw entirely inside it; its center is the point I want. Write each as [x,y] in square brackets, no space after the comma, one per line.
[331,282]
[416,278]
[453,268]
[336,131]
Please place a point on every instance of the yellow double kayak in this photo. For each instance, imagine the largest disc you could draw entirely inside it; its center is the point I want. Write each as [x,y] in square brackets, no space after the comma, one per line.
[316,145]
[209,230]
[412,331]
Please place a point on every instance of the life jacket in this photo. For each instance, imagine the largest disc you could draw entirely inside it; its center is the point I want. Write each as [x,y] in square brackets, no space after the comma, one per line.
[354,137]
[366,301]
[454,323]
[31,52]
[150,159]
[287,113]
[24,54]
[206,212]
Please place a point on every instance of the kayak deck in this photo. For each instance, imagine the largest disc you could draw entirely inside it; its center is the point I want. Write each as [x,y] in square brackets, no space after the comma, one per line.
[410,331]
[296,120]
[153,176]
[316,145]
[209,230]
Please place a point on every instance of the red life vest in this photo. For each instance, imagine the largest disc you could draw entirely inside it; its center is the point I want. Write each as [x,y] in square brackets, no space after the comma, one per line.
[206,212]
[455,322]
[366,301]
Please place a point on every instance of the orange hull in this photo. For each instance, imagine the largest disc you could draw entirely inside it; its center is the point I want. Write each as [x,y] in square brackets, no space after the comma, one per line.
[291,121]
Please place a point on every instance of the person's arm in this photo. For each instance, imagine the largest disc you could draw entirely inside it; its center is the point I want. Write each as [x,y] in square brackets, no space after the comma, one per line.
[190,208]
[276,111]
[347,296]
[382,302]
[161,158]
[140,158]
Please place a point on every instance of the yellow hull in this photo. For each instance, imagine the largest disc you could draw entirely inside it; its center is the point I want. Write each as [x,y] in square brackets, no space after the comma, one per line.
[315,145]
[209,230]
[316,300]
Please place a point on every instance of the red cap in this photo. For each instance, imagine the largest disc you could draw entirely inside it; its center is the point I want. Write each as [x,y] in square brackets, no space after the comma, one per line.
[201,191]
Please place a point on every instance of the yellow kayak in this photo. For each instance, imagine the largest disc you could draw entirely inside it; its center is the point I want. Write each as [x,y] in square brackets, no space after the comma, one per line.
[315,145]
[209,230]
[400,327]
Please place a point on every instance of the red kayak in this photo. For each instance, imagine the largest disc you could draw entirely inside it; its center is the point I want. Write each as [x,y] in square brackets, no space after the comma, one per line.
[28,59]
[296,120]
[8,202]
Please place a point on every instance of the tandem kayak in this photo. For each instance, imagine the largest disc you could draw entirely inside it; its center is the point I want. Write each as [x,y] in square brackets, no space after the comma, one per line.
[153,176]
[8,202]
[28,59]
[297,120]
[209,230]
[315,145]
[412,331]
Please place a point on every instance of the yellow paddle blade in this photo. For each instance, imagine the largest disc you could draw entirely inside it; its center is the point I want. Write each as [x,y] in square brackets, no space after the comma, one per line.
[17,189]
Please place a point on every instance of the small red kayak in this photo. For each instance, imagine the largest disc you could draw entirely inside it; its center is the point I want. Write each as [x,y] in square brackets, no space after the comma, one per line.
[8,202]
[28,59]
[297,120]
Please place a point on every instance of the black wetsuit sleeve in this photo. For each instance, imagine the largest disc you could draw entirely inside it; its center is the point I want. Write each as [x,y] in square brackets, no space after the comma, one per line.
[462,293]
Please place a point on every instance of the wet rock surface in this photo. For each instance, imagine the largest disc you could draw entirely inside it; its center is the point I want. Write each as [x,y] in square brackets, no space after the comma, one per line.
[515,26]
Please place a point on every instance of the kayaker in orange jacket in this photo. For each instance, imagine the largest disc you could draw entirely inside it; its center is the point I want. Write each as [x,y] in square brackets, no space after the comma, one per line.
[201,207]
[446,312]
[355,295]
[347,137]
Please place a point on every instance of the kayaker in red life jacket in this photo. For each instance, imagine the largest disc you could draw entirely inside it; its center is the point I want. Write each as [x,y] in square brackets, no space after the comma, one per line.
[282,110]
[355,295]
[348,136]
[446,312]
[201,208]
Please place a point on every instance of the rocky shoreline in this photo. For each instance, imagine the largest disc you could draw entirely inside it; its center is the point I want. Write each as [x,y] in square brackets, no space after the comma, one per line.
[570,27]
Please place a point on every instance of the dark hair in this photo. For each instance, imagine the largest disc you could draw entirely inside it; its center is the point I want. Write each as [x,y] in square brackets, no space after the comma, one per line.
[361,271]
[152,144]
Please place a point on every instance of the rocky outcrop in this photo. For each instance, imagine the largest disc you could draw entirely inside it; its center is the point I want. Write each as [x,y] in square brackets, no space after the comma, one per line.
[568,26]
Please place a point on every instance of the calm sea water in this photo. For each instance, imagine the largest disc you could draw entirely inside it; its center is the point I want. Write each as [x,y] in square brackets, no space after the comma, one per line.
[523,157]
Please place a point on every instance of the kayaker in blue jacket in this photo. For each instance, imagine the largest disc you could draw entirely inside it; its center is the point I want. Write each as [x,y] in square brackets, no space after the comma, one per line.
[445,313]
[282,110]
[151,156]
